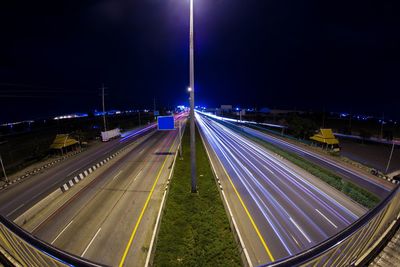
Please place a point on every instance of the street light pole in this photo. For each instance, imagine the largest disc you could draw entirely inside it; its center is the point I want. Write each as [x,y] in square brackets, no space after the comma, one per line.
[192,126]
[4,171]
[390,157]
[104,108]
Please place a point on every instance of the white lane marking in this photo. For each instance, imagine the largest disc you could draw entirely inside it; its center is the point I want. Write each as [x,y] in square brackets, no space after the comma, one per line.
[326,218]
[65,228]
[138,175]
[14,210]
[118,174]
[141,151]
[301,231]
[91,241]
[295,240]
[73,172]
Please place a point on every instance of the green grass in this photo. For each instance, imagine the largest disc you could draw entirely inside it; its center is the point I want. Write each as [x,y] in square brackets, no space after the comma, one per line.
[358,194]
[195,230]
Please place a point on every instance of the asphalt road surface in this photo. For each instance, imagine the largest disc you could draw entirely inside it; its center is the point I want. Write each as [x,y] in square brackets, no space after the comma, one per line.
[371,154]
[18,198]
[280,209]
[110,216]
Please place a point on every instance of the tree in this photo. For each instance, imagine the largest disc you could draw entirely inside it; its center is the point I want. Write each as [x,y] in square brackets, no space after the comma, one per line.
[301,127]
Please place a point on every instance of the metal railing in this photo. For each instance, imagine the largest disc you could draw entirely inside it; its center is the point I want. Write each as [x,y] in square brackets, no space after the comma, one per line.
[20,248]
[358,243]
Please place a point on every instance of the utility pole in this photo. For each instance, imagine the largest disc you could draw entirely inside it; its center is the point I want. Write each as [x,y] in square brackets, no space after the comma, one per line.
[390,157]
[191,90]
[383,119]
[4,170]
[140,123]
[104,108]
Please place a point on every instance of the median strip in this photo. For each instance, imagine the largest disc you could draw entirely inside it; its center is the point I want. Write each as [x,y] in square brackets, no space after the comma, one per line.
[194,229]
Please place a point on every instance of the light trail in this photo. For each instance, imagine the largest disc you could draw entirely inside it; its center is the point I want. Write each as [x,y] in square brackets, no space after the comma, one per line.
[287,206]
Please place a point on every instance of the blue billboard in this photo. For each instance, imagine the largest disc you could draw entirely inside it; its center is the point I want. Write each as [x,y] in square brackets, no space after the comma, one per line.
[166,123]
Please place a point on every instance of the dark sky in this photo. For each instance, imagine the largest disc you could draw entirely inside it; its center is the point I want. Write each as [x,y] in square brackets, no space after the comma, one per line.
[337,55]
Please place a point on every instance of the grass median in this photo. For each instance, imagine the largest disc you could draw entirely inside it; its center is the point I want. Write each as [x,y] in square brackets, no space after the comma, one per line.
[194,229]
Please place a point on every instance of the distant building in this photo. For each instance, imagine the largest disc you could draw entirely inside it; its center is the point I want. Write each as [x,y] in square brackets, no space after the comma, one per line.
[63,143]
[326,138]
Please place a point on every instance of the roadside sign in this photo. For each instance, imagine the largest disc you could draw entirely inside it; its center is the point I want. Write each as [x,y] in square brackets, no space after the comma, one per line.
[165,123]
[156,113]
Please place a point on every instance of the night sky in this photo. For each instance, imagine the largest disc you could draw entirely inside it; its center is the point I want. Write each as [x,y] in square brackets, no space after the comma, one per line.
[332,55]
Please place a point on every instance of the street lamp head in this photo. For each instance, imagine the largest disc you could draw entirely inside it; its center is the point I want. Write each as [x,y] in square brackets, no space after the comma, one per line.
[189,89]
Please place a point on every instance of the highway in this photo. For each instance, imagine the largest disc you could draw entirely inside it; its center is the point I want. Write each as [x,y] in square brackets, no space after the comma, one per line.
[280,209]
[109,217]
[379,187]
[18,198]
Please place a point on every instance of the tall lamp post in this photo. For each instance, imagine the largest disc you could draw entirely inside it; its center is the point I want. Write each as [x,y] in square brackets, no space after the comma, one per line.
[191,91]
[390,157]
[4,170]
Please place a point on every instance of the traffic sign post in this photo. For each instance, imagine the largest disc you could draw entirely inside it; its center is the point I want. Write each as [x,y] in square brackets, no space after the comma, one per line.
[165,123]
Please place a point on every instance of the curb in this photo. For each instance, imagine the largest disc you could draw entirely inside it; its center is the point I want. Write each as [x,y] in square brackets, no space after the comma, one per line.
[151,251]
[391,180]
[235,229]
[79,177]
[65,187]
[150,254]
[37,170]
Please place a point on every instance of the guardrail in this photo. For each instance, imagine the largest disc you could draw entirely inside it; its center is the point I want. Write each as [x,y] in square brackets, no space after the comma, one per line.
[357,244]
[20,248]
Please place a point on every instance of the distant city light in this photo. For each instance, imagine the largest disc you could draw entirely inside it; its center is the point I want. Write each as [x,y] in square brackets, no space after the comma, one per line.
[11,124]
[110,112]
[71,116]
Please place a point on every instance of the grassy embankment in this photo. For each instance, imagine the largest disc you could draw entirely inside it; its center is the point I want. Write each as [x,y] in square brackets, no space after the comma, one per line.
[194,229]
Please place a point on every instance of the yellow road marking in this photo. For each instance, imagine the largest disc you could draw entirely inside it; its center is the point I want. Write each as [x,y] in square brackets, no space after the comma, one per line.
[251,218]
[128,246]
